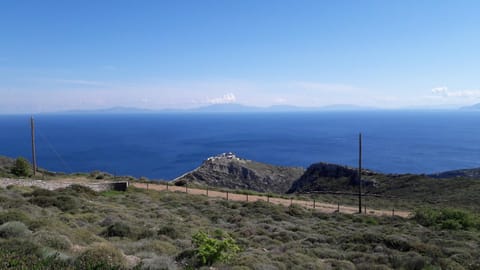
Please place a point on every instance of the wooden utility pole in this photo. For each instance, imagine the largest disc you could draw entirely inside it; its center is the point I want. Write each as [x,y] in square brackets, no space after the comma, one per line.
[360,173]
[34,156]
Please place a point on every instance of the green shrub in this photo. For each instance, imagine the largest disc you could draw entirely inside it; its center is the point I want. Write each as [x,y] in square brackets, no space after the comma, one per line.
[447,218]
[38,192]
[212,250]
[14,229]
[66,203]
[398,242]
[101,256]
[52,240]
[21,254]
[21,167]
[13,215]
[62,202]
[76,189]
[43,201]
[169,231]
[118,229]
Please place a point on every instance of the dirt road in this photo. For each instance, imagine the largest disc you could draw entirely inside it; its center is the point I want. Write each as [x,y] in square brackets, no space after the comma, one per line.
[322,207]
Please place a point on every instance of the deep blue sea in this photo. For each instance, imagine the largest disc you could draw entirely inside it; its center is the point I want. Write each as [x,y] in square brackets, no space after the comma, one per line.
[163,146]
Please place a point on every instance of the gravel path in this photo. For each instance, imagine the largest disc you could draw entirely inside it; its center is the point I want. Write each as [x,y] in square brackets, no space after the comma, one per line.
[322,207]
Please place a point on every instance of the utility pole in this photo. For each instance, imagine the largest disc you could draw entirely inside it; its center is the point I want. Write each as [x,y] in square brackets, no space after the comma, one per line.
[360,173]
[34,156]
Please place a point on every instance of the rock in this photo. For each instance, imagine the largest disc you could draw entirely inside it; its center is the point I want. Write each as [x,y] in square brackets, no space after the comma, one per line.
[229,171]
[378,249]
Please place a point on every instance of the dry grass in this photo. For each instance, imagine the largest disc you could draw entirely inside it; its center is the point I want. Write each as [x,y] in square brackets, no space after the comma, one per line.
[161,225]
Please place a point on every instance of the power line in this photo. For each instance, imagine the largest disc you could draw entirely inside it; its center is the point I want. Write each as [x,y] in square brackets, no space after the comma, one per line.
[50,146]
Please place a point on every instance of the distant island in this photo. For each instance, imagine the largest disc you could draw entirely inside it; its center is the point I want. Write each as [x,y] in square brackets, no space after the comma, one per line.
[241,108]
[472,107]
[221,108]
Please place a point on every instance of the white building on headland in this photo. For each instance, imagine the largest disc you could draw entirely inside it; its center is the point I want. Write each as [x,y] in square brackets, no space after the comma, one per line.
[229,156]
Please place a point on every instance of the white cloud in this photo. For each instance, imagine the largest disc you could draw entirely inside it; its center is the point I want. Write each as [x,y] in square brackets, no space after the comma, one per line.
[443,91]
[225,99]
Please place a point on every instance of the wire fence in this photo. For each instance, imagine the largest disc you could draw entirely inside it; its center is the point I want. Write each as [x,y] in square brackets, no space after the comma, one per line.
[284,200]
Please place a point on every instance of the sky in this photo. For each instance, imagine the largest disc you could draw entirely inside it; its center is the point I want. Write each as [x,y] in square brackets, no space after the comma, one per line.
[68,55]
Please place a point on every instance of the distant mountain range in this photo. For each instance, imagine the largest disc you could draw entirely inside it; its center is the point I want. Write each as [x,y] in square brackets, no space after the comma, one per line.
[240,108]
[220,108]
[113,110]
[472,107]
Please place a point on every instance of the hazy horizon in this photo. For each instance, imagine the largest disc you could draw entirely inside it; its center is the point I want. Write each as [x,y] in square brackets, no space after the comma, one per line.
[60,56]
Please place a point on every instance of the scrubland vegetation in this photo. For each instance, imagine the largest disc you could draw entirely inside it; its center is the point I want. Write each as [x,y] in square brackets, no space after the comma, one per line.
[77,228]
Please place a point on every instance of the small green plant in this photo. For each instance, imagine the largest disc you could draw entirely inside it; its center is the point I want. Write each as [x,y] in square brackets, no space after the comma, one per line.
[211,250]
[21,167]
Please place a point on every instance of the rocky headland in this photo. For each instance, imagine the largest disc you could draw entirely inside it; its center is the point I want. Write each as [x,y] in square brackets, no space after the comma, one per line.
[229,171]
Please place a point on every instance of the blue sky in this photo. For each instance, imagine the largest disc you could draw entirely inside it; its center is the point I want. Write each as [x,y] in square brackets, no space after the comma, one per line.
[61,55]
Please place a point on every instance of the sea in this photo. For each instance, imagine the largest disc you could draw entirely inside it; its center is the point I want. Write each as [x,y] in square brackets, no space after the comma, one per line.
[166,145]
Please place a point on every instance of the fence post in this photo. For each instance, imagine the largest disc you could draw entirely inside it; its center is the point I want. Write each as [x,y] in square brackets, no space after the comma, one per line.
[393,212]
[268,198]
[186,188]
[207,191]
[338,207]
[291,201]
[365,209]
[227,195]
[247,197]
[313,203]
[167,185]
[147,186]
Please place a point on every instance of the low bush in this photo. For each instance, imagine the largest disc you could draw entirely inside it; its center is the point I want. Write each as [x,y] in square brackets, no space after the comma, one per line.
[66,203]
[180,183]
[21,167]
[169,231]
[13,215]
[101,256]
[76,189]
[37,192]
[21,254]
[447,218]
[63,202]
[13,229]
[52,240]
[211,250]
[117,229]
[159,263]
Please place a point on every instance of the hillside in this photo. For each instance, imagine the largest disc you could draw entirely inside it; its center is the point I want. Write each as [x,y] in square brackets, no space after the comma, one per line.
[77,228]
[331,177]
[387,190]
[230,171]
[463,173]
